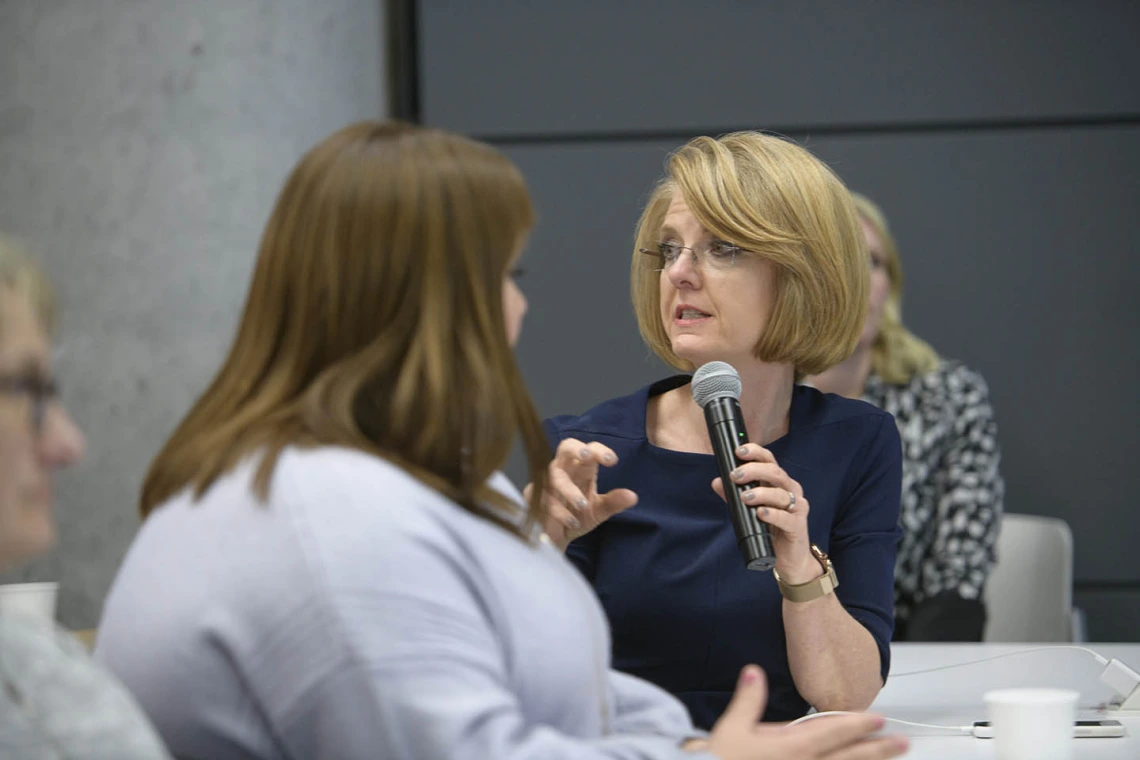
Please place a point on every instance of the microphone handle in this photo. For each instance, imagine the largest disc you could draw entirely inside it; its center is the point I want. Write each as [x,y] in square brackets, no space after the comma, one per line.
[727,431]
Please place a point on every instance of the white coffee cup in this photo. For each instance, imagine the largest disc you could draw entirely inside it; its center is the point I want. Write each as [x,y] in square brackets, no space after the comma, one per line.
[1032,724]
[34,601]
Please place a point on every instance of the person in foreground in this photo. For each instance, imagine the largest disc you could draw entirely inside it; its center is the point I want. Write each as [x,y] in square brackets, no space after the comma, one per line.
[952,487]
[748,252]
[55,701]
[332,565]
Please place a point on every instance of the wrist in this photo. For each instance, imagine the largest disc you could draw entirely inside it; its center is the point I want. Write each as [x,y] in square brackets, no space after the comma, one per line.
[695,745]
[812,588]
[807,568]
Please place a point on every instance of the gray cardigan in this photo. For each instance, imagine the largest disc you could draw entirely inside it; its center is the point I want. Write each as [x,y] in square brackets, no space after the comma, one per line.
[359,614]
[56,703]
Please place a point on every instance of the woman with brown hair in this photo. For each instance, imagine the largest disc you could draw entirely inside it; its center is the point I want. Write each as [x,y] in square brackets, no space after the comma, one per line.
[331,564]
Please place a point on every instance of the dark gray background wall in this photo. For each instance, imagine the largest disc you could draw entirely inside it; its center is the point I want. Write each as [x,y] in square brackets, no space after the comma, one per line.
[1002,139]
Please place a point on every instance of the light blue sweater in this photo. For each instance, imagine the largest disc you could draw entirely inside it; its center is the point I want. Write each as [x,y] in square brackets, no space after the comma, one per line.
[359,614]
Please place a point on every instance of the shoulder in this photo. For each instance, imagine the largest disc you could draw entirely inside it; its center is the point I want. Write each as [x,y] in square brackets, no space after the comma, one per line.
[371,496]
[622,417]
[815,409]
[951,383]
[77,701]
[32,640]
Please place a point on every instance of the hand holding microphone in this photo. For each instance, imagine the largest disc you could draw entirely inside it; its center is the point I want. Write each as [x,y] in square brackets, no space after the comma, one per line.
[767,507]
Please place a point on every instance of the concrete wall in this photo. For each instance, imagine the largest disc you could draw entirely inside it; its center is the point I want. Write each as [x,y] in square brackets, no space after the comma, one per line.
[142,144]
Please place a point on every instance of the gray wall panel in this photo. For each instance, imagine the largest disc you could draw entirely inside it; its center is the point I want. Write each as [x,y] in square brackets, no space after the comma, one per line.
[1111,615]
[515,67]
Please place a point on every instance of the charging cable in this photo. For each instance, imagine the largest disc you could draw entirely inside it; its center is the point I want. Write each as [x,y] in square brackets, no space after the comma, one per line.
[1123,680]
[954,730]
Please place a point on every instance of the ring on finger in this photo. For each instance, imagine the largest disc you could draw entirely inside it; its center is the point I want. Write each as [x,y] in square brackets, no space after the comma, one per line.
[791,502]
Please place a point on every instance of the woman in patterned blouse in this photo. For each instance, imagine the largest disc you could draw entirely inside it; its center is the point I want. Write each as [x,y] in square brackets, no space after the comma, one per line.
[952,488]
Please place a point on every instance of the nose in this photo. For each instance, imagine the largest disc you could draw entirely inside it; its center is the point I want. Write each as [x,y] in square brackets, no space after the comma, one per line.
[62,443]
[684,272]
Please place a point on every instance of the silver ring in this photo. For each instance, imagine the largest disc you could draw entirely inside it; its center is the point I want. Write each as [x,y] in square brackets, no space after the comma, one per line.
[791,502]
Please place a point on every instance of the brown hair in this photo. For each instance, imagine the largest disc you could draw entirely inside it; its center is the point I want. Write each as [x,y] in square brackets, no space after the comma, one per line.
[776,200]
[374,321]
[897,354]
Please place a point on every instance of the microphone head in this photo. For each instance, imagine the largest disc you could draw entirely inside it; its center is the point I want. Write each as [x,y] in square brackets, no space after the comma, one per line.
[715,380]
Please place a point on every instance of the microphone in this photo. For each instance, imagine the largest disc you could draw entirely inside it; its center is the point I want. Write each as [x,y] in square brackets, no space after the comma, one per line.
[716,389]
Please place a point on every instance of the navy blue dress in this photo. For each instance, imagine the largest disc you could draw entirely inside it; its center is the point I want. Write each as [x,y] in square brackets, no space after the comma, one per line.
[685,613]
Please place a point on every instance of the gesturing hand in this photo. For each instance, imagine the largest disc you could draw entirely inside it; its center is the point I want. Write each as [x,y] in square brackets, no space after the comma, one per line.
[574,505]
[739,736]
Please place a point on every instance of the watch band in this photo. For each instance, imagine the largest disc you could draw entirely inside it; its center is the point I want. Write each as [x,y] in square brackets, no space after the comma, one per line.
[813,589]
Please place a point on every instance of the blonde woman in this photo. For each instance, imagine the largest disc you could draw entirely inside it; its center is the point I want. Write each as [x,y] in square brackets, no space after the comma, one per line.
[749,252]
[332,565]
[54,701]
[952,487]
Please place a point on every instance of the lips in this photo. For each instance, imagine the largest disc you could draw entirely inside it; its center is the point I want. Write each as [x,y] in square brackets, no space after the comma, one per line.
[686,313]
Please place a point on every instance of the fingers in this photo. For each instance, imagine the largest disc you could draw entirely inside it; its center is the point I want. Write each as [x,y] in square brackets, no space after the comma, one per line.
[780,518]
[873,749]
[573,454]
[751,697]
[777,498]
[561,486]
[768,473]
[830,734]
[617,500]
[753,452]
[568,522]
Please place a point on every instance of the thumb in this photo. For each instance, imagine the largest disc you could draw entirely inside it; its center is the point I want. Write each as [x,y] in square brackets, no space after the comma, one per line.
[751,697]
[617,500]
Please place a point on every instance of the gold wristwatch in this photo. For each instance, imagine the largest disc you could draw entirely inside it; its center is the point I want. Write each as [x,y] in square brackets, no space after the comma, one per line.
[813,589]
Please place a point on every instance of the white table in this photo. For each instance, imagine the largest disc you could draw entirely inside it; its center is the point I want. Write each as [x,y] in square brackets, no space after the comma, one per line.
[954,697]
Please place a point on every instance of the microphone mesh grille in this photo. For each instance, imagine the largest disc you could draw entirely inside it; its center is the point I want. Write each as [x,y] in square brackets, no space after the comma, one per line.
[715,380]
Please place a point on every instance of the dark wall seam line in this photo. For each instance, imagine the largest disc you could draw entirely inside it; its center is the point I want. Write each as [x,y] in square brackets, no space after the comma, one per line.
[1111,586]
[818,130]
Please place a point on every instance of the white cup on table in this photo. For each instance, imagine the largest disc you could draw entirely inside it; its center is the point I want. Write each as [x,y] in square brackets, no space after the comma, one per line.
[1032,724]
[34,601]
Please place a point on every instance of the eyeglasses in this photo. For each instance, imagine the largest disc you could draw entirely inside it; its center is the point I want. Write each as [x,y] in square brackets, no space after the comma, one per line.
[717,254]
[42,391]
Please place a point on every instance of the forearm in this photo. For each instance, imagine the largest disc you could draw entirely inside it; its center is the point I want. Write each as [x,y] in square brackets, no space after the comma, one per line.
[834,660]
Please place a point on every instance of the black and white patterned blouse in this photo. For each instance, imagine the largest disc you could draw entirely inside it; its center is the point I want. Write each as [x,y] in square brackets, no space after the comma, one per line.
[951,488]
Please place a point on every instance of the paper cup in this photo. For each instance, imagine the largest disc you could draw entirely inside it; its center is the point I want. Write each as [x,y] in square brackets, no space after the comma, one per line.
[1032,724]
[30,600]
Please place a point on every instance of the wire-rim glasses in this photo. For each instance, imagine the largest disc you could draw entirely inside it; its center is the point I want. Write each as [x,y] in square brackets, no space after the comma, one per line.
[717,254]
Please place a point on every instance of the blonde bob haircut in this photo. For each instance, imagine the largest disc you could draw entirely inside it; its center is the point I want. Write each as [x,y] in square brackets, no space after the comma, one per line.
[777,201]
[20,275]
[897,354]
[374,321]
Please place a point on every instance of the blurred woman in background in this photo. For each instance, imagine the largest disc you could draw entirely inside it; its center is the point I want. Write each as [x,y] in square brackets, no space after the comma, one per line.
[952,486]
[55,701]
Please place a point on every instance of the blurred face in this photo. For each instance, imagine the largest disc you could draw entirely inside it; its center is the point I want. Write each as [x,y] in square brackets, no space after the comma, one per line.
[36,434]
[712,312]
[880,284]
[514,306]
